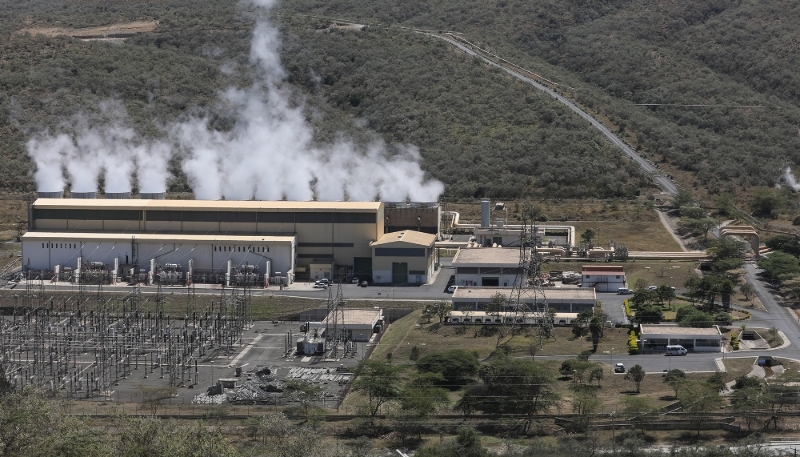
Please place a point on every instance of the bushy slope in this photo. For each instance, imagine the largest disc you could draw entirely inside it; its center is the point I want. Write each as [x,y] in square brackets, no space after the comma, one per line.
[478,131]
[726,53]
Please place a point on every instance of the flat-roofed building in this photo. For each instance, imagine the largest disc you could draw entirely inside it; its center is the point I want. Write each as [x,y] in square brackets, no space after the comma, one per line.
[604,278]
[210,255]
[356,324]
[402,258]
[566,300]
[656,338]
[487,267]
[333,233]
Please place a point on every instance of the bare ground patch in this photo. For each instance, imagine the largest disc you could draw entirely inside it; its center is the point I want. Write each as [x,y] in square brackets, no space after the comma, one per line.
[111,30]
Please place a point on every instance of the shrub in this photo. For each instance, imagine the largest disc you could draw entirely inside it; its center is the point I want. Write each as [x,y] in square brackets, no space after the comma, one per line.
[633,345]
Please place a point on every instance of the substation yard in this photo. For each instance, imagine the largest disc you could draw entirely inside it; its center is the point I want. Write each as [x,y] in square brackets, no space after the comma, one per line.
[131,351]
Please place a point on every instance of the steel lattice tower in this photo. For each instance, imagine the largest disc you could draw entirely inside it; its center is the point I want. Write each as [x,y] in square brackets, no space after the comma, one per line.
[527,299]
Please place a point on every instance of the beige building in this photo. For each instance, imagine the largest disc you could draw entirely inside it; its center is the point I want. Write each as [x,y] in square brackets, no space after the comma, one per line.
[403,258]
[487,267]
[656,338]
[565,300]
[338,234]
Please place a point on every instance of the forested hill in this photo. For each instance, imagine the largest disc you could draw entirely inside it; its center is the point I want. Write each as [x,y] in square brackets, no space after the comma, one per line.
[740,58]
[479,131]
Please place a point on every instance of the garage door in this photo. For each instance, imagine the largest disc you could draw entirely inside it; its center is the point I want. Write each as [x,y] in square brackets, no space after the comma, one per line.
[399,272]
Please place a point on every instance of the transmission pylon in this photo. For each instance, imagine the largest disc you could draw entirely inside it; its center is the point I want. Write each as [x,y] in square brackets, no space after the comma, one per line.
[527,304]
[334,323]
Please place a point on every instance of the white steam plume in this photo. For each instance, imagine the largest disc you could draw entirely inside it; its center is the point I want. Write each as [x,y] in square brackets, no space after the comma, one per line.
[269,154]
[109,148]
[790,180]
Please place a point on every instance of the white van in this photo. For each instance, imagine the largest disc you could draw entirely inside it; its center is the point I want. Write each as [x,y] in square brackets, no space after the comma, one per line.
[624,291]
[676,350]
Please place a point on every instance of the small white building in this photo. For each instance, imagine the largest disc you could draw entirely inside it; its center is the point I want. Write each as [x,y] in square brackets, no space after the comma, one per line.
[566,300]
[356,324]
[487,267]
[604,278]
[656,338]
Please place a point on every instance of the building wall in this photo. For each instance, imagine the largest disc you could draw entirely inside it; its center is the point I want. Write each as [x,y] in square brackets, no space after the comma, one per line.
[476,279]
[338,235]
[604,283]
[207,256]
[420,269]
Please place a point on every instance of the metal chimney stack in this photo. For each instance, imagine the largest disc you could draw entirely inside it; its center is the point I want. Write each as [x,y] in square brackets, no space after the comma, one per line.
[486,212]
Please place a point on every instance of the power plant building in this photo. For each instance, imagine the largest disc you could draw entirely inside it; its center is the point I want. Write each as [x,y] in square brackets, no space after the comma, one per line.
[403,257]
[291,235]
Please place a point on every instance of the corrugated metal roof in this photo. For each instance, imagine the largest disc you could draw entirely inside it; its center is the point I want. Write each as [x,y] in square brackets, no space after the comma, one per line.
[406,236]
[365,316]
[677,330]
[494,257]
[219,205]
[162,237]
[548,293]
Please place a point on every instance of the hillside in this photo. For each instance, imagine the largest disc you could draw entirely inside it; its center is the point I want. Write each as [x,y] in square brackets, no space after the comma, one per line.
[720,79]
[734,57]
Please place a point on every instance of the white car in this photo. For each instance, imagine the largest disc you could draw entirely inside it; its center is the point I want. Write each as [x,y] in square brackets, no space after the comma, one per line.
[451,289]
[355,280]
[652,288]
[320,285]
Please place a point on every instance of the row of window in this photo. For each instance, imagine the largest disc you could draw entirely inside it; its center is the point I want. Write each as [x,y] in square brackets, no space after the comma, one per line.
[207,216]
[241,249]
[216,248]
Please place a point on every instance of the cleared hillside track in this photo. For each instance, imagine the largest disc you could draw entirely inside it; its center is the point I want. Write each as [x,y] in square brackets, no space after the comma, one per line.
[531,78]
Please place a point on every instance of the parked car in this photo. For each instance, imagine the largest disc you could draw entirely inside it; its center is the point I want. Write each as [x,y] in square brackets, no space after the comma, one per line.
[624,291]
[363,284]
[325,281]
[355,281]
[619,368]
[451,289]
[676,350]
[652,288]
[320,285]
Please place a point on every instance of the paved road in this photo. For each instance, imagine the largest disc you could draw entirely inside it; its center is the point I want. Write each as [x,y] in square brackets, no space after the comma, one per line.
[660,180]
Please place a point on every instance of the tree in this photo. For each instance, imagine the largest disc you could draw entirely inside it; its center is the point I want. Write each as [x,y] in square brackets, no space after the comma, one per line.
[457,366]
[636,376]
[675,378]
[442,309]
[304,392]
[596,374]
[152,396]
[665,293]
[378,381]
[418,401]
[576,369]
[748,291]
[767,203]
[726,253]
[639,284]
[511,386]
[466,444]
[587,236]
[787,243]
[698,397]
[779,266]
[648,314]
[683,198]
[697,319]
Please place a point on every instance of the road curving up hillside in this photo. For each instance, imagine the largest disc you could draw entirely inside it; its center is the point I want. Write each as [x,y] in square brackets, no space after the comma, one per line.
[662,181]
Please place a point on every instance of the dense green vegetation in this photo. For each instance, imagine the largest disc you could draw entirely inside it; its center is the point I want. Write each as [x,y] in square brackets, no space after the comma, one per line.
[734,56]
[479,131]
